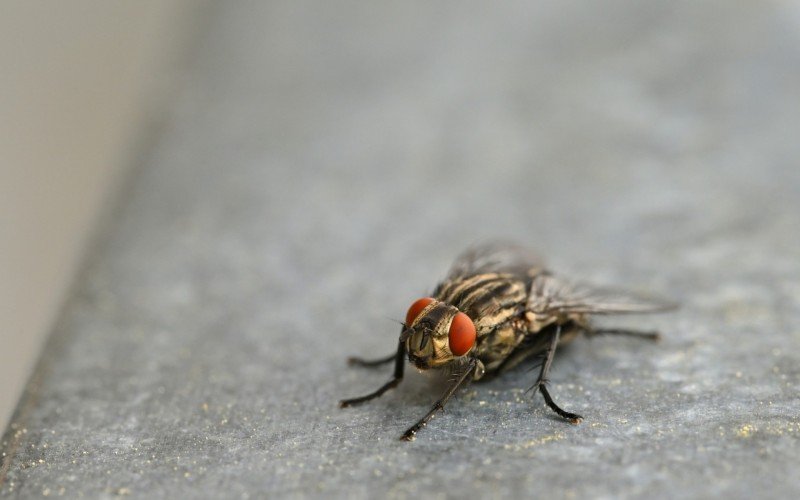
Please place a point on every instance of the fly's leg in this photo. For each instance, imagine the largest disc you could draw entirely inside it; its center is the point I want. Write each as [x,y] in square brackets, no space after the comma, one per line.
[399,366]
[439,405]
[642,334]
[354,361]
[541,381]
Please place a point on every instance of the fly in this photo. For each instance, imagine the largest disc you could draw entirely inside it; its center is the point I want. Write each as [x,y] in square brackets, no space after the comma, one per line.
[497,307]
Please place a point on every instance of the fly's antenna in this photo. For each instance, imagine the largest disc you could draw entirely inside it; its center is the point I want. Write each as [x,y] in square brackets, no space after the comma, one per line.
[401,323]
[406,333]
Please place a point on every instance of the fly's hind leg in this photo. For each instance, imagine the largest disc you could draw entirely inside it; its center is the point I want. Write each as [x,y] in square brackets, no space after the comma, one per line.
[399,366]
[642,334]
[409,434]
[541,380]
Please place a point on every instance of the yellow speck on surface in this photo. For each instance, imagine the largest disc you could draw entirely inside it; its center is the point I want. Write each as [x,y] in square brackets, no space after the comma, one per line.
[534,442]
[782,428]
[746,431]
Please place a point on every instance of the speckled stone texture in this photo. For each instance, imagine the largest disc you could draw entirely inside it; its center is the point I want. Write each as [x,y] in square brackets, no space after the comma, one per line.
[319,168]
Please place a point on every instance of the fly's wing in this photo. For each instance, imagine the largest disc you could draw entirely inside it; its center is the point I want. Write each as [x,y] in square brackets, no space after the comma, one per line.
[494,258]
[551,295]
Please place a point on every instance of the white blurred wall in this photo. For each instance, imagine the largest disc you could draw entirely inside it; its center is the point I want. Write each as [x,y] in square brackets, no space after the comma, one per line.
[77,81]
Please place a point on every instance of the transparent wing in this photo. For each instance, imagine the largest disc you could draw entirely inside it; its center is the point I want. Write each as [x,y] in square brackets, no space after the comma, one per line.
[551,295]
[495,258]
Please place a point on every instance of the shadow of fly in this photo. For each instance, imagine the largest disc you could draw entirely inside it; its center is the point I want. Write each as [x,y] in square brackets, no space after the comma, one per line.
[497,307]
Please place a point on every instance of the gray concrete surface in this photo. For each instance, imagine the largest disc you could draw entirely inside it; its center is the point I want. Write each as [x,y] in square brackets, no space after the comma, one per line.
[319,169]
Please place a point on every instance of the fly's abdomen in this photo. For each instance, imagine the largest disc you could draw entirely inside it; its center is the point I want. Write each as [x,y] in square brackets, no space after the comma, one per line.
[495,347]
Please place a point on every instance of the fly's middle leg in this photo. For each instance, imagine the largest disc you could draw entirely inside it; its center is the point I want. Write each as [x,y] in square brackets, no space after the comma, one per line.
[399,366]
[355,361]
[541,380]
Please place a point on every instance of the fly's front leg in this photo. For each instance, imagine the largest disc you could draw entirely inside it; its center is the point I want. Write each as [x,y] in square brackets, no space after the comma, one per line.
[354,361]
[399,366]
[541,380]
[439,405]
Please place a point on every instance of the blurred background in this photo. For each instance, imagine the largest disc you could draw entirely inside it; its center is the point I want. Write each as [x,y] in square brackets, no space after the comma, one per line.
[206,207]
[79,94]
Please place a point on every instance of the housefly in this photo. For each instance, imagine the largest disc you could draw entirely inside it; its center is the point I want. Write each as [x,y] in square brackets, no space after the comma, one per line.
[497,307]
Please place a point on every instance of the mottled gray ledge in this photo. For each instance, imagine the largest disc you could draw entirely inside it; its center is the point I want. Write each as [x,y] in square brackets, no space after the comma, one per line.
[318,170]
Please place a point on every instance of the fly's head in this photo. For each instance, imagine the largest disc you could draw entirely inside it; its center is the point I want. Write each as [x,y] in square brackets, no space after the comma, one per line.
[436,333]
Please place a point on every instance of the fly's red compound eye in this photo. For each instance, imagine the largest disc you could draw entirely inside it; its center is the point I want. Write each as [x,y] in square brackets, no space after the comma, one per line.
[462,334]
[417,308]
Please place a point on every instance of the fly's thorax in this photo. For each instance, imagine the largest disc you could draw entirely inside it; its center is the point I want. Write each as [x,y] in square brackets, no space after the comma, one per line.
[427,344]
[490,299]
